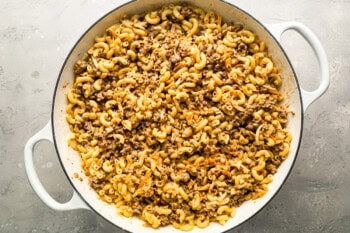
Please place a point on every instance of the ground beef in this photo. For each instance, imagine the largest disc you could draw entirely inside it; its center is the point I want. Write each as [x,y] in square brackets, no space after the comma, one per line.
[186,12]
[175,58]
[80,67]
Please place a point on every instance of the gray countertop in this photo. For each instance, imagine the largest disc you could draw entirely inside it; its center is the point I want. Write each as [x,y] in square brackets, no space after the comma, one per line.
[35,38]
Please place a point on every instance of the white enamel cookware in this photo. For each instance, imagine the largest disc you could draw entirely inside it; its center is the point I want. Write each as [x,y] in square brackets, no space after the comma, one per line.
[57,131]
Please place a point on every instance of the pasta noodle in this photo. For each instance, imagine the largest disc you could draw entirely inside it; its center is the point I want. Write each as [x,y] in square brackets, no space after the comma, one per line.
[177,117]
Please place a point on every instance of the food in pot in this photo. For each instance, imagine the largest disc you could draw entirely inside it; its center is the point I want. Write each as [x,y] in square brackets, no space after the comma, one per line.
[178,117]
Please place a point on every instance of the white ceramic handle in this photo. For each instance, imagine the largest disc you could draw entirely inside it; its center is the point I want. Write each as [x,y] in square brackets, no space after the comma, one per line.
[74,203]
[278,29]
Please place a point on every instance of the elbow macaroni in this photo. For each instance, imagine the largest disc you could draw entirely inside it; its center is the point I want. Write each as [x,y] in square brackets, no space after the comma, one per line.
[177,117]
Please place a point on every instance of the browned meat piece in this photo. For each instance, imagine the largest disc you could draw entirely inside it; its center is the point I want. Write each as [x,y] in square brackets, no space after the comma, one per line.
[186,11]
[80,67]
[175,58]
[214,59]
[184,48]
[145,47]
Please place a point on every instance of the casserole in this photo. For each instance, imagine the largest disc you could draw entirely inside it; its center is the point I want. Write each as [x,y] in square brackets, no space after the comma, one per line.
[58,132]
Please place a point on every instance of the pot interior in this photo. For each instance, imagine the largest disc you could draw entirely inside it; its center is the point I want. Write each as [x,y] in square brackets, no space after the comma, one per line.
[71,161]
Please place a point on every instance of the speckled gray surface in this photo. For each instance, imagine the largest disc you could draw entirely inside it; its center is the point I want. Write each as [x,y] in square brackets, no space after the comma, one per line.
[36,36]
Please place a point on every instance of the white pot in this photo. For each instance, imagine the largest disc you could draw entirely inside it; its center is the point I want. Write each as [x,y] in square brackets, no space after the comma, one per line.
[57,130]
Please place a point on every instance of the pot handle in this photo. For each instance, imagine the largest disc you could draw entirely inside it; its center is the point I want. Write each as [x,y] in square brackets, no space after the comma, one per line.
[278,29]
[74,203]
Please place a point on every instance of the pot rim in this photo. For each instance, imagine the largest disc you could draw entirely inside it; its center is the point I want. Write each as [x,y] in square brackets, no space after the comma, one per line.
[129,2]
